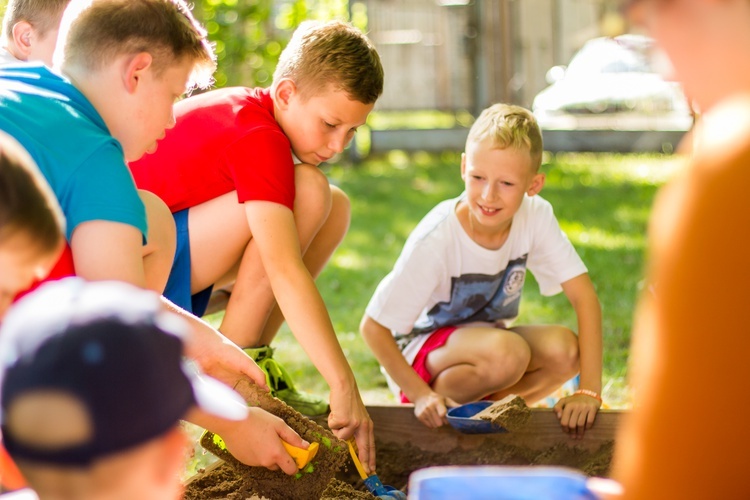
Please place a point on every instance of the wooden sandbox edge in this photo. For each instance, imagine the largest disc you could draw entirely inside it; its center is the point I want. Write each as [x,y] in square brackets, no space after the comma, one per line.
[397,423]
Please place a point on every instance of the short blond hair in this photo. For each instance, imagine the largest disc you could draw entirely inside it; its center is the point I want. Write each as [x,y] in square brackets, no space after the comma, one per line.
[28,206]
[95,32]
[333,53]
[509,126]
[42,15]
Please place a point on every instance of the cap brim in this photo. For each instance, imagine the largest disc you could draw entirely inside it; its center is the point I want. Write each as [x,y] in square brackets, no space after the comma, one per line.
[213,397]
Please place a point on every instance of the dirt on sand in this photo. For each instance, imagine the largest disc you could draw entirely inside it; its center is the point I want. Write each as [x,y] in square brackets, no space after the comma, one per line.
[511,413]
[234,480]
[397,461]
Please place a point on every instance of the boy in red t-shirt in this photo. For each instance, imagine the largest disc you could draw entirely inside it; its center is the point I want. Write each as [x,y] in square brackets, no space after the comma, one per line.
[247,215]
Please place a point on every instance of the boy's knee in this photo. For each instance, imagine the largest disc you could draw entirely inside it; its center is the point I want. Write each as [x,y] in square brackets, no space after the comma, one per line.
[507,359]
[562,351]
[341,211]
[340,202]
[311,187]
[161,228]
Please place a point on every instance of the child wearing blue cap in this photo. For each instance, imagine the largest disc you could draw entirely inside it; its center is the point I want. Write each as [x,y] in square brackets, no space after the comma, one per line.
[93,383]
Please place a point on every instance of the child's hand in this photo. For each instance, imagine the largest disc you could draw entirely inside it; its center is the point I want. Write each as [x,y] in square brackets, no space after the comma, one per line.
[577,413]
[432,408]
[221,358]
[256,441]
[349,418]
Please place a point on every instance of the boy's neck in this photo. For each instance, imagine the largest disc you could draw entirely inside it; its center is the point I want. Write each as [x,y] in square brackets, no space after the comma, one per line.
[491,239]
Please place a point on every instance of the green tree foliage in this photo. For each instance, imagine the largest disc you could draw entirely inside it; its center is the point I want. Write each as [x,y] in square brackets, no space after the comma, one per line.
[249,35]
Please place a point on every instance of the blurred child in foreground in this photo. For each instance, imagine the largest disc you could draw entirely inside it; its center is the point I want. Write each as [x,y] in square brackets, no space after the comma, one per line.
[93,383]
[31,223]
[687,436]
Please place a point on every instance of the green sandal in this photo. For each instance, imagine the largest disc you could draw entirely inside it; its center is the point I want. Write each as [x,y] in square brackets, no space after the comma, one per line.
[282,387]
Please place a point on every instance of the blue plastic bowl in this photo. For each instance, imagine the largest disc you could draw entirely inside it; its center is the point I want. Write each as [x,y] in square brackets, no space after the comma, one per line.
[460,419]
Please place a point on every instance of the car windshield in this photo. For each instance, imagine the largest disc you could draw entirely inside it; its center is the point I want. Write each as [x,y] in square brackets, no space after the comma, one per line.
[610,55]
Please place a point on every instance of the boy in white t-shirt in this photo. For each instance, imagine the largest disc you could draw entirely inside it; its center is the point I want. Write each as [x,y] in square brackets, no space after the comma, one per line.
[440,322]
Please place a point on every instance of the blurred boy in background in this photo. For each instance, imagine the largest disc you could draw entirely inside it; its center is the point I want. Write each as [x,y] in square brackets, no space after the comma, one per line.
[30,30]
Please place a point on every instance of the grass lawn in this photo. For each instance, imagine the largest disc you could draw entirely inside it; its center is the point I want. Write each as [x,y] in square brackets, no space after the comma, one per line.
[602,203]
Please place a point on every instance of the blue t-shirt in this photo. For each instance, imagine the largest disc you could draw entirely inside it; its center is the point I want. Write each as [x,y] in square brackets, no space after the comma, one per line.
[68,139]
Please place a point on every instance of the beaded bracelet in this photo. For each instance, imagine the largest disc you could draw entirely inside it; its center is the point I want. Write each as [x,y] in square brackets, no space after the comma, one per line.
[589,393]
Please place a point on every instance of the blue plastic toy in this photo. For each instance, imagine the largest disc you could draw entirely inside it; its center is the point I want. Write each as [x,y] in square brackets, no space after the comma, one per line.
[460,419]
[372,482]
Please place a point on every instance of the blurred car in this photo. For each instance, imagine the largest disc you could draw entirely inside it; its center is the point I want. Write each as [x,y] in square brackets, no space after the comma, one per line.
[611,98]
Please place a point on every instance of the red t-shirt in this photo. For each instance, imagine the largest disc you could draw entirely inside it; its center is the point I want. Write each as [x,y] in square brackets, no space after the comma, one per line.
[223,140]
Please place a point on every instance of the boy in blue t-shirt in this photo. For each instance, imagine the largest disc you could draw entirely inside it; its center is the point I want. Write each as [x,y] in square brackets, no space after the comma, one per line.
[124,63]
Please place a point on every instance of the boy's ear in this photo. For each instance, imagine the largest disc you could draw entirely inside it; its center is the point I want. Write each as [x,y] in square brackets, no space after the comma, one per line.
[22,35]
[463,166]
[283,93]
[134,69]
[537,183]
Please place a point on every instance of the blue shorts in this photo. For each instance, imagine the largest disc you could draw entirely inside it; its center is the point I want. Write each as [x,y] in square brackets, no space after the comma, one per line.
[178,284]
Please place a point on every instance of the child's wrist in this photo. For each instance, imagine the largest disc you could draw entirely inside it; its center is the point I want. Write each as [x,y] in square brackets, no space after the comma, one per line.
[592,394]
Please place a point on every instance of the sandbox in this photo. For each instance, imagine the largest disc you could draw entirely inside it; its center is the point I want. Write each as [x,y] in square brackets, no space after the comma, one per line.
[405,445]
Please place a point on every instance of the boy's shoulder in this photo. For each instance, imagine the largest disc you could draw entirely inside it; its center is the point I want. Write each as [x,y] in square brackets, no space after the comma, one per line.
[533,208]
[47,114]
[24,78]
[435,220]
[230,112]
[234,100]
[435,228]
[33,86]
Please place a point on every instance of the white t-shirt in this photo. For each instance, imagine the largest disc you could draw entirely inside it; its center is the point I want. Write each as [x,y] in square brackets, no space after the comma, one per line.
[444,278]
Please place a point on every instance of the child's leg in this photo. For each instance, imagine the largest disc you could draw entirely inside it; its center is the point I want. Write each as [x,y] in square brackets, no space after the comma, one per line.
[219,235]
[554,360]
[158,253]
[320,250]
[222,251]
[478,361]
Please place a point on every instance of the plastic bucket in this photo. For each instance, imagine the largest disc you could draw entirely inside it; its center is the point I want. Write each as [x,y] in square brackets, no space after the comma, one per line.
[498,483]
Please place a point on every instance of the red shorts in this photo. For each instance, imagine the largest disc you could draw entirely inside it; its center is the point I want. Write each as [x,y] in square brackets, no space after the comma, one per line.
[437,340]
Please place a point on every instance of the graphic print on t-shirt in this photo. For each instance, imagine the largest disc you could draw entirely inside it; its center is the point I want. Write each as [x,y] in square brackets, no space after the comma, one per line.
[477,297]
